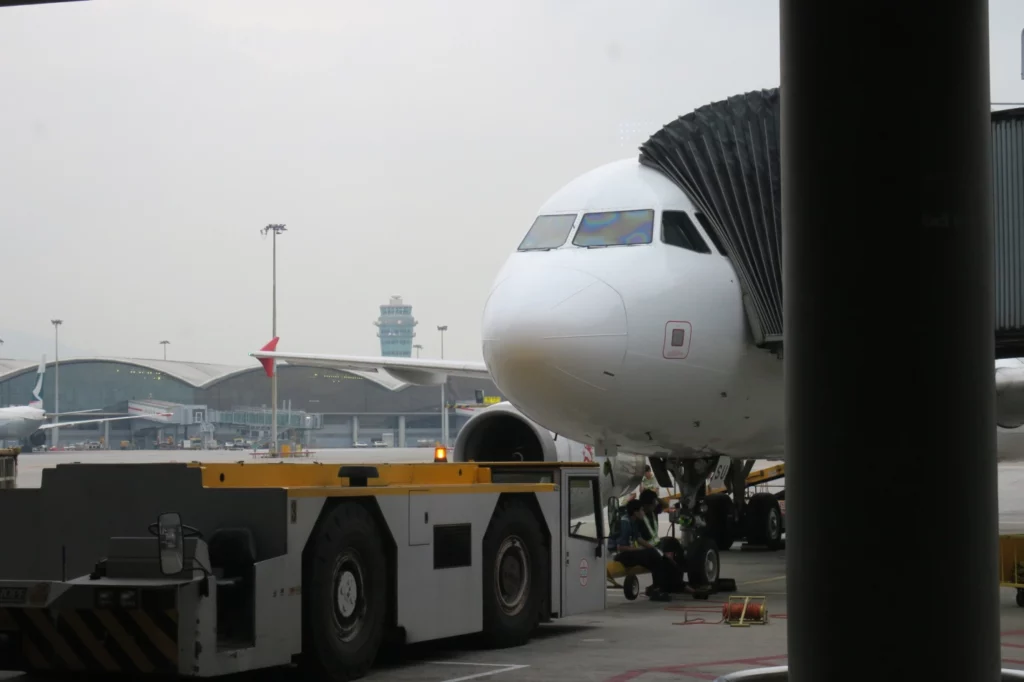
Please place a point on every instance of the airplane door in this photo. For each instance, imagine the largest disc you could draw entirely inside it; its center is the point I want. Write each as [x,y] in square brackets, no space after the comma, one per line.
[583,566]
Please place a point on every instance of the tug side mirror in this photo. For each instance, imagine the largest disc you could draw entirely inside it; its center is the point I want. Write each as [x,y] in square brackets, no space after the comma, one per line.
[170,539]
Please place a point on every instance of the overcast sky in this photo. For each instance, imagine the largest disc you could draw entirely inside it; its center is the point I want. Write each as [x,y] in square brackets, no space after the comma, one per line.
[406,145]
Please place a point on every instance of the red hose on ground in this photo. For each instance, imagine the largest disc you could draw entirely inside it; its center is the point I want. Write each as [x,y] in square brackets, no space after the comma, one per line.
[734,610]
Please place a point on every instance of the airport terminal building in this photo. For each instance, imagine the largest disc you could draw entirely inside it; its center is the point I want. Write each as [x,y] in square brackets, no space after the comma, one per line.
[319,408]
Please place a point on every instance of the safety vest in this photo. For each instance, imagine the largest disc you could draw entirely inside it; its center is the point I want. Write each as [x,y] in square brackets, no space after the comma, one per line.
[651,530]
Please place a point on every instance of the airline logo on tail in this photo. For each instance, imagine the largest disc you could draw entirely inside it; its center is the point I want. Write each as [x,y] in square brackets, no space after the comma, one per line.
[37,392]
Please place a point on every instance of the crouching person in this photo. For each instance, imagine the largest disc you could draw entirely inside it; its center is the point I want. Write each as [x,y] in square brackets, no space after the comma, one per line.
[634,550]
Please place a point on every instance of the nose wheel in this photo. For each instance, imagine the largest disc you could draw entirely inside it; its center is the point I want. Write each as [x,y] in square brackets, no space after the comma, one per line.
[703,563]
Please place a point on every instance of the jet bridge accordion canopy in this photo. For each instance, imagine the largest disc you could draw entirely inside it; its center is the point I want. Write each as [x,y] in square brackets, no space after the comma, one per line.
[726,156]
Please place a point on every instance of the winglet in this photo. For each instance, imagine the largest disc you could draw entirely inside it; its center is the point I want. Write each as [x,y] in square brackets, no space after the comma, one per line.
[268,363]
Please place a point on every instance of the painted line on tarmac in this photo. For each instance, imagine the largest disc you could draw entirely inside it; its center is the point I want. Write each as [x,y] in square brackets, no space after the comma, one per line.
[763,580]
[693,670]
[499,668]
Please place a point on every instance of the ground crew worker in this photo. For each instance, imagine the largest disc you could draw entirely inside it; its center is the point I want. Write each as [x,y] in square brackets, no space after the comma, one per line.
[652,507]
[634,550]
[669,546]
[649,482]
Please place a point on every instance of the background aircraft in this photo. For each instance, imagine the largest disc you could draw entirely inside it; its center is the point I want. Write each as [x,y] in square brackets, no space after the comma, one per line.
[28,423]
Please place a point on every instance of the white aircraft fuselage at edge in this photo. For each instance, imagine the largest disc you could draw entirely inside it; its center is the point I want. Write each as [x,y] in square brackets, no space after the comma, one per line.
[20,421]
[639,348]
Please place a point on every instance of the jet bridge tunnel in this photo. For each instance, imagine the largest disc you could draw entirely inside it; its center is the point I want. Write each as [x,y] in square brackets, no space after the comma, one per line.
[726,157]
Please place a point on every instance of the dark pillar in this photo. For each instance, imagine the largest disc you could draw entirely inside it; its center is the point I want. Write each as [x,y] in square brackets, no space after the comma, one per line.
[891,472]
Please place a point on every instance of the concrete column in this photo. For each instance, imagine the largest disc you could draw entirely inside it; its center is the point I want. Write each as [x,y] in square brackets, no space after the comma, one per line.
[106,436]
[355,429]
[887,215]
[401,431]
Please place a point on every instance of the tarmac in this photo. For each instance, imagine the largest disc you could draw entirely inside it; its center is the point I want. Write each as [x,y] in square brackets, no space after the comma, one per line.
[640,640]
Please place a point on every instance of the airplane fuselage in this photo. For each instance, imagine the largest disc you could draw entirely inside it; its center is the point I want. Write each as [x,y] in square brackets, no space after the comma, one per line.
[606,327]
[644,345]
[20,421]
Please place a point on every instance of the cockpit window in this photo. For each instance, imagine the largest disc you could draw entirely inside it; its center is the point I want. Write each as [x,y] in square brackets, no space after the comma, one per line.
[548,232]
[678,230]
[615,228]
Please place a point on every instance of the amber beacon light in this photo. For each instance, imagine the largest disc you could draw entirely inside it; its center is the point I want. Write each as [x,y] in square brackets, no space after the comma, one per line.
[440,454]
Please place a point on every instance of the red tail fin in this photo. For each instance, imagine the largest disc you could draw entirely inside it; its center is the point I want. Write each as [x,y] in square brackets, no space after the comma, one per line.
[268,363]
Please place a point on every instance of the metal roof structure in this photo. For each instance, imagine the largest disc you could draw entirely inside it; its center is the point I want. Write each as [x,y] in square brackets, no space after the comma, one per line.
[195,374]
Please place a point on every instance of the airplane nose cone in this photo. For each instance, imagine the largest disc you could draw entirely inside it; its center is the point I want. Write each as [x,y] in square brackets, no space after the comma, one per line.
[553,338]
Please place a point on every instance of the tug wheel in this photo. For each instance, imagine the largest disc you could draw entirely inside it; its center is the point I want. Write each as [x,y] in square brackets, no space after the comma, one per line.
[515,574]
[346,603]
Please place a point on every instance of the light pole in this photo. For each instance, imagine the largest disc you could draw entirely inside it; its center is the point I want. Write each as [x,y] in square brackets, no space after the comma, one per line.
[417,346]
[164,344]
[56,380]
[275,229]
[444,409]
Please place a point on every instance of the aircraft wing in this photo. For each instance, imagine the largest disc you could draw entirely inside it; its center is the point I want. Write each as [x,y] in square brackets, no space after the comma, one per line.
[62,414]
[405,370]
[44,427]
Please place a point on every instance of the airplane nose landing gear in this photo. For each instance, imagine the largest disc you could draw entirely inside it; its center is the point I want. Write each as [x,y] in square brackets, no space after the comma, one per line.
[691,476]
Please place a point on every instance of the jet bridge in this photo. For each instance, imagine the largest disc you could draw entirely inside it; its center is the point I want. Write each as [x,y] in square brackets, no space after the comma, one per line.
[726,157]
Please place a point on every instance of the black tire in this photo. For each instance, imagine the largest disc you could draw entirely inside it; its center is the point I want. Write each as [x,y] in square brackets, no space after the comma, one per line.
[345,594]
[1020,598]
[515,575]
[631,587]
[703,563]
[721,520]
[764,521]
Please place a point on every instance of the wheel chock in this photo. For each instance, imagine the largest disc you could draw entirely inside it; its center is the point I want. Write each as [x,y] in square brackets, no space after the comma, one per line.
[725,585]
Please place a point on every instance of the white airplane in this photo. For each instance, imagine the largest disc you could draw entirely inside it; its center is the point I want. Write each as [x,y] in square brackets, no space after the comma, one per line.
[619,323]
[29,422]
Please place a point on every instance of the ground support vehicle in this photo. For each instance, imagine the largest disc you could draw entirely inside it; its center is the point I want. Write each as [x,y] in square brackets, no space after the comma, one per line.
[209,569]
[1011,564]
[9,467]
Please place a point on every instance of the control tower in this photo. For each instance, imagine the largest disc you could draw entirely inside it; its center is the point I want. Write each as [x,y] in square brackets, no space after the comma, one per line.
[396,329]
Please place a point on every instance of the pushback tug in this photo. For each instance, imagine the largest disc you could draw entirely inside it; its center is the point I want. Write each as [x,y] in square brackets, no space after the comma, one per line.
[208,569]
